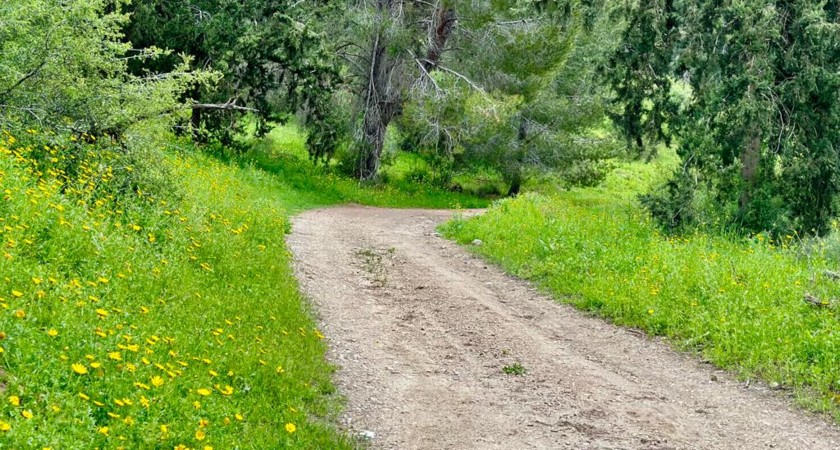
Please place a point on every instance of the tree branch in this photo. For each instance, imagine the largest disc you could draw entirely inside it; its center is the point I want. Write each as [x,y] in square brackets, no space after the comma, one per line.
[467,80]
[29,75]
[221,107]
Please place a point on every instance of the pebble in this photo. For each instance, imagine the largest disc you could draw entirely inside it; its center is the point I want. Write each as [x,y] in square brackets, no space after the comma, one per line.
[367,434]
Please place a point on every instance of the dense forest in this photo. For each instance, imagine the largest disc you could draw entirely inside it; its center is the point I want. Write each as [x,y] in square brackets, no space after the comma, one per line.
[139,163]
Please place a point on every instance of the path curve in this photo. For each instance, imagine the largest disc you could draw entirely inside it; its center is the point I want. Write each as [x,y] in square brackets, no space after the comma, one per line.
[421,330]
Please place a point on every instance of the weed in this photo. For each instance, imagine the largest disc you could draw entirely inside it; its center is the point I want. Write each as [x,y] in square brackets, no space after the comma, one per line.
[514,369]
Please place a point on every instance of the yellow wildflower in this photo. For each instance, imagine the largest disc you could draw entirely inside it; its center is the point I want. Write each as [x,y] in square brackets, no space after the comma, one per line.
[79,369]
[116,356]
[203,392]
[157,381]
[290,427]
[104,430]
[20,314]
[14,400]
[27,414]
[17,294]
[52,332]
[4,426]
[199,435]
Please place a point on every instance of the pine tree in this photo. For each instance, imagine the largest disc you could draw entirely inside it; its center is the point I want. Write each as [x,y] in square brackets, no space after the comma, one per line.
[761,133]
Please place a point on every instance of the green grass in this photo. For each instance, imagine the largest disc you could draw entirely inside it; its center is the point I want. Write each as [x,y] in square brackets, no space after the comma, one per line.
[282,156]
[736,302]
[143,321]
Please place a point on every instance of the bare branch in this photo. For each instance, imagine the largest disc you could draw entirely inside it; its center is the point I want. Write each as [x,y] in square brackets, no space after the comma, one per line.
[425,72]
[26,77]
[467,80]
[221,107]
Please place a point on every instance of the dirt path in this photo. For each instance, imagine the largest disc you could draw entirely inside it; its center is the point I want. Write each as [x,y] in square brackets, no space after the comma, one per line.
[421,331]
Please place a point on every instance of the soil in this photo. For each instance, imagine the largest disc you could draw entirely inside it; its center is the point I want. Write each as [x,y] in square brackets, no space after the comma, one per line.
[422,332]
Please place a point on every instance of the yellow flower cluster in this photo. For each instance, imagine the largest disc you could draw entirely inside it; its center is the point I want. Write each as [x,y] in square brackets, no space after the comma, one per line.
[116,359]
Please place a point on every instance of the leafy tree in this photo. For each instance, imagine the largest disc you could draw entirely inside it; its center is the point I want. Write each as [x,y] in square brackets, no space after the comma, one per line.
[438,68]
[390,45]
[547,58]
[273,58]
[65,69]
[760,136]
[67,93]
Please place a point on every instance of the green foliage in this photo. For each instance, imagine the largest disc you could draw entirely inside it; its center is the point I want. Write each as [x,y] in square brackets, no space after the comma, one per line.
[123,314]
[65,70]
[738,302]
[282,155]
[532,102]
[759,136]
[272,55]
[514,369]
[639,72]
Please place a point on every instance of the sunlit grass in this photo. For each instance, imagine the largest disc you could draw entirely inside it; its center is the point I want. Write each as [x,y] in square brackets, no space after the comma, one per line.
[282,156]
[144,323]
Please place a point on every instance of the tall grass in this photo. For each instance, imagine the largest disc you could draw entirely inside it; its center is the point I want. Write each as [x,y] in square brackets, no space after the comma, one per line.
[148,323]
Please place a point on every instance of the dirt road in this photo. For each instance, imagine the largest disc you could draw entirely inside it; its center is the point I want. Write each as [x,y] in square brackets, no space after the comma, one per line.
[421,331]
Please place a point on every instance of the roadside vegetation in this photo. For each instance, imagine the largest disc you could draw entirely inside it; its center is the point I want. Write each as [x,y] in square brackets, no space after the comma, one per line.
[164,318]
[738,302]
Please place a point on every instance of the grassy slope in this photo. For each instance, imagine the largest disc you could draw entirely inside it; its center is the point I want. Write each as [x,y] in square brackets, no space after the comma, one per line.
[737,302]
[149,324]
[282,155]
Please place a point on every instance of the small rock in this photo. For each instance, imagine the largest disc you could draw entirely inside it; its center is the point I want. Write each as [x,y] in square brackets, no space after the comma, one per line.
[477,242]
[367,434]
[774,385]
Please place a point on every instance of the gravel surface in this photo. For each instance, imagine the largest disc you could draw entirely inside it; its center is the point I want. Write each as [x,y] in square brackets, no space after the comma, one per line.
[422,331]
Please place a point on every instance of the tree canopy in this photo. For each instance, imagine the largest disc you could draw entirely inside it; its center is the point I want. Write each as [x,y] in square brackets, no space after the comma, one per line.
[759,135]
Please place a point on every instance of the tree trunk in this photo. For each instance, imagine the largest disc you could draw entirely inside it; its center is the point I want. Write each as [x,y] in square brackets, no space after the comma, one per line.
[385,82]
[373,142]
[195,124]
[750,160]
[444,22]
[382,102]
[515,182]
[515,172]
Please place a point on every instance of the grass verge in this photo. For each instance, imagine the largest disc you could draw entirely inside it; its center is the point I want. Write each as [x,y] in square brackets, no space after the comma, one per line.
[737,302]
[129,320]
